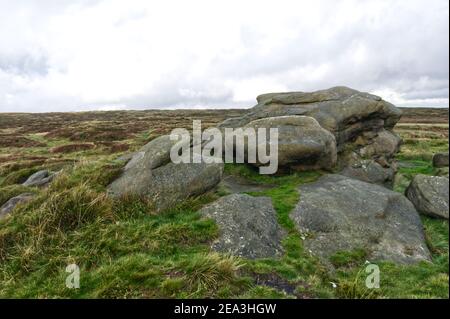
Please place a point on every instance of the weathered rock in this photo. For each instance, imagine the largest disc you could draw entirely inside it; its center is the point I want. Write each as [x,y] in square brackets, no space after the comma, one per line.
[440,160]
[166,185]
[157,153]
[385,144]
[343,111]
[370,171]
[134,180]
[39,178]
[429,194]
[125,157]
[360,122]
[302,142]
[248,226]
[173,183]
[8,207]
[338,213]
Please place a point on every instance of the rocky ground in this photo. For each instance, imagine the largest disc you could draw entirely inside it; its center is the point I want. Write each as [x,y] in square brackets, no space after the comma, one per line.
[348,194]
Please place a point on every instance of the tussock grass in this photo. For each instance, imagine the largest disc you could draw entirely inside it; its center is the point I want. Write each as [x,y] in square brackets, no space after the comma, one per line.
[209,270]
[349,258]
[354,287]
[122,247]
[20,176]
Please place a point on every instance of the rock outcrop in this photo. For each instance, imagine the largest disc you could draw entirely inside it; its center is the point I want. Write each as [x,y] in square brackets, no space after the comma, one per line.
[248,226]
[9,206]
[361,123]
[151,174]
[429,194]
[338,213]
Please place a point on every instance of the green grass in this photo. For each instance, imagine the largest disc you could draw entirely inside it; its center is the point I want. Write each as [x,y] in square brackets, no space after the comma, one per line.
[7,192]
[416,158]
[125,250]
[297,266]
[121,252]
[349,258]
[423,280]
[422,149]
[19,176]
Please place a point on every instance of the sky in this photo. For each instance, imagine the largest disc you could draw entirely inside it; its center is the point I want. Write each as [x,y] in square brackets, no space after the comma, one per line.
[83,55]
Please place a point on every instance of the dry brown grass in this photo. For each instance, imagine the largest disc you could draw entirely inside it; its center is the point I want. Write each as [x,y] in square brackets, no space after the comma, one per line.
[70,148]
[18,141]
[424,115]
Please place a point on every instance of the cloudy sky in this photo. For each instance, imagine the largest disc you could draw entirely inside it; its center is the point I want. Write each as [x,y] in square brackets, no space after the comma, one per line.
[93,54]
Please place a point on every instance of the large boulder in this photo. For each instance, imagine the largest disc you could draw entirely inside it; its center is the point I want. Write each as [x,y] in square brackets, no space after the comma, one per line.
[440,160]
[248,226]
[338,213]
[302,142]
[12,203]
[361,123]
[157,152]
[150,174]
[173,183]
[343,111]
[429,194]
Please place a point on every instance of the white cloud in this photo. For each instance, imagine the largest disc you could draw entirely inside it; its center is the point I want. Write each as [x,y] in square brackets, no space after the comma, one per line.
[87,54]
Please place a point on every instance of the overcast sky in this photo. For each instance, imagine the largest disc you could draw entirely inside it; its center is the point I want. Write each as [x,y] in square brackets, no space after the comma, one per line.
[92,54]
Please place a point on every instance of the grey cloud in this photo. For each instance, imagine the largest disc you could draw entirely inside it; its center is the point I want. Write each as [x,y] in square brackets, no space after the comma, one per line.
[405,51]
[430,94]
[26,65]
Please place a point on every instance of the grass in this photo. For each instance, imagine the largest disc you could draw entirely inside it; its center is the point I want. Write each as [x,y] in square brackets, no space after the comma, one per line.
[125,250]
[7,192]
[121,253]
[19,176]
[422,149]
[349,258]
[296,266]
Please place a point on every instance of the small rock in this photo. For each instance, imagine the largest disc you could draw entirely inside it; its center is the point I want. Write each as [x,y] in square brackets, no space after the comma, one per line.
[8,207]
[429,194]
[370,171]
[248,226]
[39,178]
[440,160]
